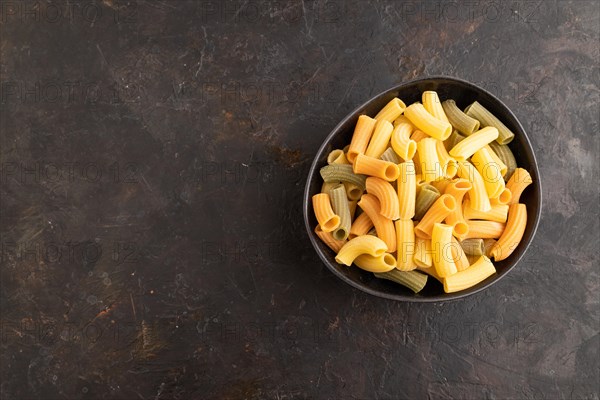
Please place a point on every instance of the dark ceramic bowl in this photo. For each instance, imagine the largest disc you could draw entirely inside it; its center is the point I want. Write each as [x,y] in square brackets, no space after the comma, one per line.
[464,93]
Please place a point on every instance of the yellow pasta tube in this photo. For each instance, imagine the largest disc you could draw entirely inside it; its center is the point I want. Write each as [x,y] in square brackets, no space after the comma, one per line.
[458,255]
[403,120]
[519,180]
[418,135]
[484,229]
[375,167]
[488,245]
[433,105]
[430,163]
[380,138]
[443,206]
[361,226]
[468,146]
[324,213]
[441,244]
[497,160]
[383,263]
[423,256]
[361,136]
[448,164]
[366,244]
[457,189]
[337,157]
[476,273]
[353,191]
[401,142]
[405,239]
[512,235]
[498,213]
[391,111]
[418,115]
[329,240]
[384,226]
[385,193]
[478,195]
[407,190]
[504,197]
[490,171]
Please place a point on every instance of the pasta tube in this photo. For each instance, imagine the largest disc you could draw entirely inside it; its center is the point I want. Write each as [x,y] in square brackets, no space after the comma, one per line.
[405,239]
[441,185]
[476,273]
[327,219]
[407,189]
[498,213]
[504,197]
[506,155]
[484,229]
[361,136]
[383,263]
[401,142]
[413,280]
[490,171]
[366,244]
[380,139]
[433,105]
[488,245]
[457,189]
[458,255]
[341,209]
[441,243]
[486,118]
[337,157]
[437,213]
[477,194]
[353,191]
[448,164]
[385,193]
[418,115]
[426,197]
[512,235]
[496,159]
[375,167]
[519,180]
[391,111]
[418,135]
[430,163]
[458,119]
[352,207]
[473,247]
[361,226]
[390,156]
[403,120]
[423,256]
[453,140]
[329,240]
[384,226]
[467,147]
[327,186]
[342,173]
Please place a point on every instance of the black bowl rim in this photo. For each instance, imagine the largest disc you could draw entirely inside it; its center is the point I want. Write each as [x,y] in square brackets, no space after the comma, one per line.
[401,297]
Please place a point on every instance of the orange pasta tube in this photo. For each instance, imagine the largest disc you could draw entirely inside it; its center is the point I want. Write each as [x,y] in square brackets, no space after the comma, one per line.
[324,213]
[498,213]
[329,240]
[383,263]
[441,244]
[448,164]
[504,197]
[457,189]
[361,226]
[391,111]
[380,138]
[458,255]
[405,239]
[407,190]
[384,226]
[360,138]
[512,235]
[385,193]
[484,230]
[436,213]
[401,142]
[519,180]
[374,167]
[418,135]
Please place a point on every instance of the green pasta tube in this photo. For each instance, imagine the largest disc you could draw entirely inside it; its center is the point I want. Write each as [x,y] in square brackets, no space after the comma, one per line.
[339,202]
[413,280]
[453,139]
[480,113]
[508,158]
[426,197]
[473,247]
[390,156]
[344,173]
[458,119]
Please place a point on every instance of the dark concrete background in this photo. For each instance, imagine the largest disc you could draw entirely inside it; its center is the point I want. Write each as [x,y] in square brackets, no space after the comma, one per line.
[153,158]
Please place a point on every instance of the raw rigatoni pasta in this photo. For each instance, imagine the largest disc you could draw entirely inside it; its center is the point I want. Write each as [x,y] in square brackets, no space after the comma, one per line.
[383,263]
[448,164]
[401,142]
[441,244]
[405,239]
[407,190]
[477,194]
[384,226]
[498,212]
[443,206]
[486,118]
[391,111]
[457,189]
[366,244]
[458,255]
[339,201]
[380,138]
[433,105]
[468,146]
[430,163]
[342,173]
[506,155]
[490,171]
[413,280]
[360,138]
[385,193]
[519,180]
[337,157]
[327,219]
[361,226]
[458,119]
[476,273]
[390,156]
[375,167]
[426,197]
[473,247]
[329,240]
[423,253]
[418,115]
[512,235]
[484,229]
[353,191]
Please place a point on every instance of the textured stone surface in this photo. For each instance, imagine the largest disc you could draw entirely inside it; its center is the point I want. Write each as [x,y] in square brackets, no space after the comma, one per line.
[153,160]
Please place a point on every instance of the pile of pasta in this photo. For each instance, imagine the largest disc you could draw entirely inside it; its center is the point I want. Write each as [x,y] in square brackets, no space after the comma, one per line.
[437,190]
